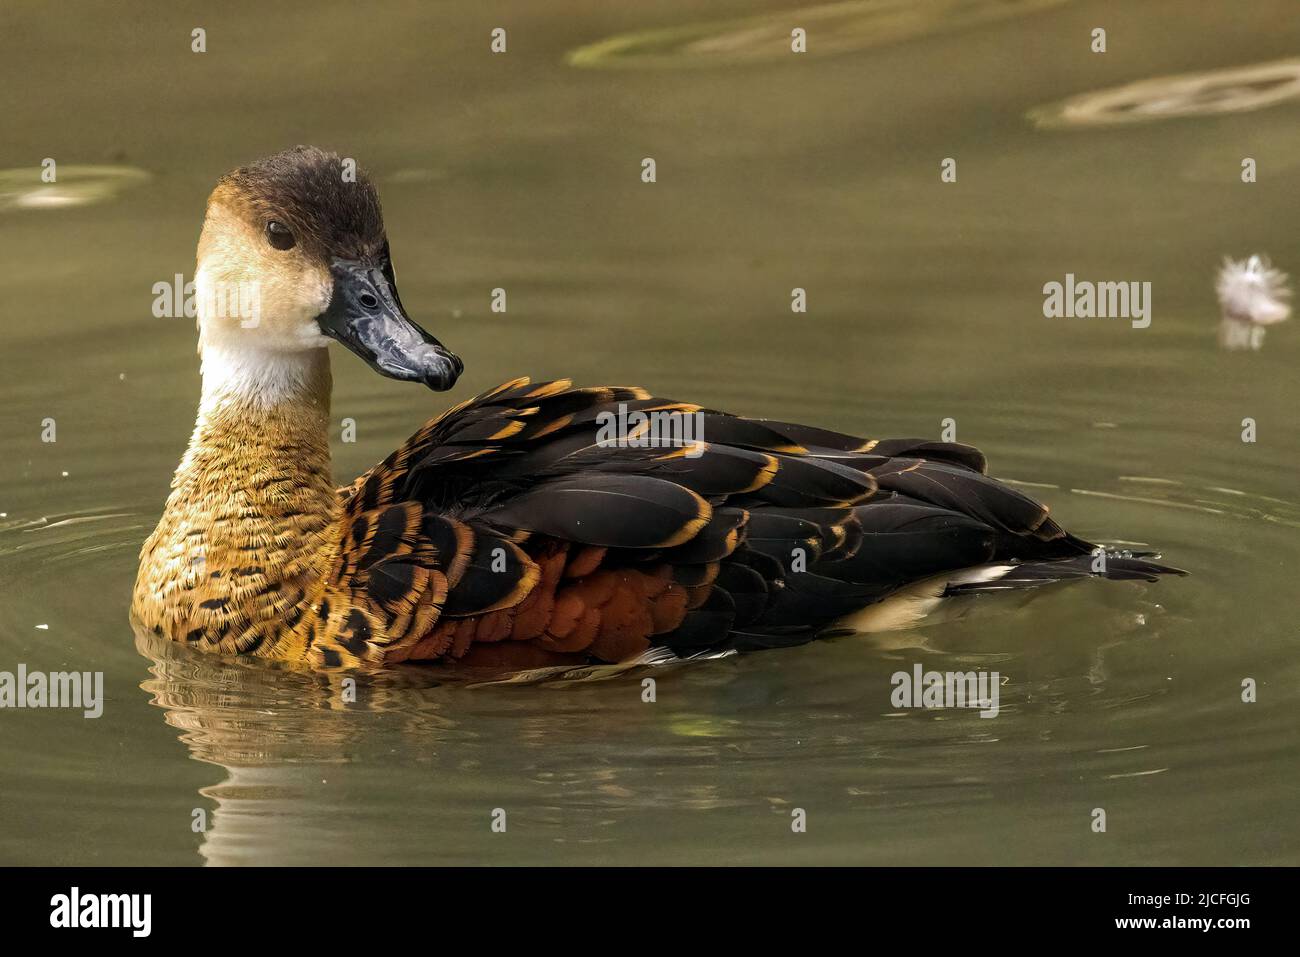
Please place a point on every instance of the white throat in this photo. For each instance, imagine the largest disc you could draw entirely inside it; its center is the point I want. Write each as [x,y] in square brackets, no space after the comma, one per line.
[245,374]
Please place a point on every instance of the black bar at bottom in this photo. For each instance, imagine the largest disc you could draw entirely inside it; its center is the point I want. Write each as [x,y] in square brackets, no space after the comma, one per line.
[367,905]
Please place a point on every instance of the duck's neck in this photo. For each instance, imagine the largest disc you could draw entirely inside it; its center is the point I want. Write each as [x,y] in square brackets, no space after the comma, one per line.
[246,532]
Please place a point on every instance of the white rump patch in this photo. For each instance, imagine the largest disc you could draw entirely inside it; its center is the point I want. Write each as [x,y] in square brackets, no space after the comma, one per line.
[909,605]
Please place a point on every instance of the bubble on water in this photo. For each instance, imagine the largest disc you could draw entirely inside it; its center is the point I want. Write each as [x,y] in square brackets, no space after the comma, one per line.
[831,28]
[22,189]
[1237,89]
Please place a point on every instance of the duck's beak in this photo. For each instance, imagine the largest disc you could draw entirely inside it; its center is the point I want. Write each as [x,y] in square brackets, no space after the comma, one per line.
[366,316]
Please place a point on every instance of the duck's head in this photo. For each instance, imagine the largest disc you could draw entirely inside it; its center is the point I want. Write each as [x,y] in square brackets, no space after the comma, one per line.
[293,254]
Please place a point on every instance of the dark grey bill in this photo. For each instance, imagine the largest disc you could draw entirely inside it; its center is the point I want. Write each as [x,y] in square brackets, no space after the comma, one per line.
[366,316]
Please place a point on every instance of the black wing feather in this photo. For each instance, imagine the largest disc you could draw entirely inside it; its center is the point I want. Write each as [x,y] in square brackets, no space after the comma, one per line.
[774,529]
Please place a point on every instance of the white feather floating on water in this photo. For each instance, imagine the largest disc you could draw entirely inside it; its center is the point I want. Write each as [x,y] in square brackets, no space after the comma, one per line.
[1253,291]
[1252,295]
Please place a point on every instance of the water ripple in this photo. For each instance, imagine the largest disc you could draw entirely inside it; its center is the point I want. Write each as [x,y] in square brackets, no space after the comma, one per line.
[831,29]
[1233,90]
[23,189]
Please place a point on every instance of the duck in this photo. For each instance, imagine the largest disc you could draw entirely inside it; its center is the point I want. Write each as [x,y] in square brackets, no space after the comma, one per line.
[537,525]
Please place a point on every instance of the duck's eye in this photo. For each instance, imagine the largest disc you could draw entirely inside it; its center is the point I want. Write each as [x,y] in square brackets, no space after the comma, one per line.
[279,235]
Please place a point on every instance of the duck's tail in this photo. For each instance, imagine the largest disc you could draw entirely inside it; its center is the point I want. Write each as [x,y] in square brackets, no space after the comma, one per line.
[1116,565]
[912,603]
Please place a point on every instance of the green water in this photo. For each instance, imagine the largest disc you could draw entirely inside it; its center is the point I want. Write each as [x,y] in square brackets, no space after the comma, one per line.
[774,171]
